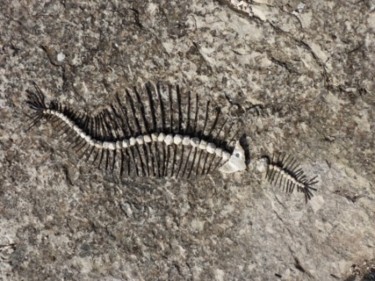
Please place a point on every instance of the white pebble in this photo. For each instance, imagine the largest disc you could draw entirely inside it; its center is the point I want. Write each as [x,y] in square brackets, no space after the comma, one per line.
[194,142]
[211,148]
[98,144]
[218,152]
[177,139]
[86,138]
[118,145]
[225,156]
[60,57]
[202,144]
[154,137]
[132,141]
[168,140]
[111,145]
[161,137]
[125,143]
[186,141]
[147,138]
[89,140]
[262,164]
[140,140]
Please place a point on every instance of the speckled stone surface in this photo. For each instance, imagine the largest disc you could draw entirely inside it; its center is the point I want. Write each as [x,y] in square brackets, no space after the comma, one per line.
[299,77]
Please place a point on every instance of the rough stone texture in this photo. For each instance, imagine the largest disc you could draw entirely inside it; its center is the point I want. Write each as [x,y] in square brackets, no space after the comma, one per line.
[300,76]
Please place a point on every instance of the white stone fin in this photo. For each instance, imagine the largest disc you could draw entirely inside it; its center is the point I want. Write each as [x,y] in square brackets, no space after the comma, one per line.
[236,161]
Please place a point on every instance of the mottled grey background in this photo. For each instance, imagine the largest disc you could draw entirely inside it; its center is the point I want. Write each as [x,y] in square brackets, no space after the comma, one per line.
[300,76]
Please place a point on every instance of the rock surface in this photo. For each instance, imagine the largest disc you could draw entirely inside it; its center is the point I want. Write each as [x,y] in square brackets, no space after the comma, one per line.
[298,75]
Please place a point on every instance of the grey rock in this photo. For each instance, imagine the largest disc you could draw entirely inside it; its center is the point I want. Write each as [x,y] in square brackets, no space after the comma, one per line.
[299,78]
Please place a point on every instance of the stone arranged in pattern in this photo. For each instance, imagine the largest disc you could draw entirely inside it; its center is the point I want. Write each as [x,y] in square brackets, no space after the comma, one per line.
[285,172]
[149,137]
[169,139]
